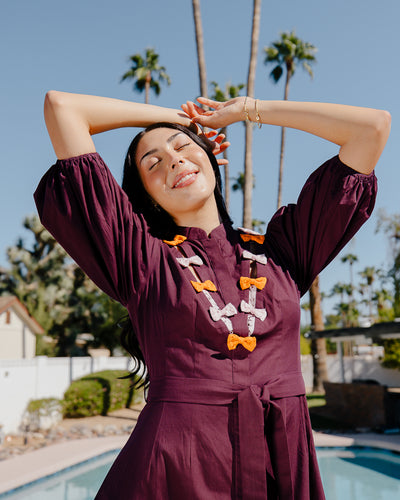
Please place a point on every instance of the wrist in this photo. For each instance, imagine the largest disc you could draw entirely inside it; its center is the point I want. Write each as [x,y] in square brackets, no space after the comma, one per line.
[251,110]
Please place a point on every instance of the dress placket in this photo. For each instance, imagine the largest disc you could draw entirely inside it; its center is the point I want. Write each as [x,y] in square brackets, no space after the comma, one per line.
[223,314]
[216,313]
[250,306]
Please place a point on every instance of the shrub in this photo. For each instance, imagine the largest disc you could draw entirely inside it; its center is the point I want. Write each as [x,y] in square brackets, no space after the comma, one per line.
[97,394]
[41,414]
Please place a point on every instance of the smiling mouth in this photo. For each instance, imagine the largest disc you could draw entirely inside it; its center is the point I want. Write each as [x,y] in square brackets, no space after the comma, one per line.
[184,179]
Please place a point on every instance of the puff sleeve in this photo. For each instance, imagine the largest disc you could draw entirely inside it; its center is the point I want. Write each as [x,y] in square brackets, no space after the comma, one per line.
[89,214]
[333,204]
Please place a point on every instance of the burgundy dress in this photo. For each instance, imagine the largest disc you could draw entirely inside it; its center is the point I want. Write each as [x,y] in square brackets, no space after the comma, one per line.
[226,416]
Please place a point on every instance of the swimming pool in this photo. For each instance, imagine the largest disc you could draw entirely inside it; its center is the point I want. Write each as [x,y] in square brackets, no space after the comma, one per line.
[359,473]
[347,474]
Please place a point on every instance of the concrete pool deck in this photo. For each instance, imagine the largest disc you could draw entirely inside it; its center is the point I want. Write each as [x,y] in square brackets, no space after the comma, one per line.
[23,469]
[37,464]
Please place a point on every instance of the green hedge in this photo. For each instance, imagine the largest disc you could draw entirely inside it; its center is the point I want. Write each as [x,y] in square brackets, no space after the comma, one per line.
[97,394]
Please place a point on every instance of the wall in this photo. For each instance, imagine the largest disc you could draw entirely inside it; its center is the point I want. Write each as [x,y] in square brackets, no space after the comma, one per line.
[42,377]
[354,368]
[12,338]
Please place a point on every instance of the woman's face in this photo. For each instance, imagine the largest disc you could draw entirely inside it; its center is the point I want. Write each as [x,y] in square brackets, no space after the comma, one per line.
[176,172]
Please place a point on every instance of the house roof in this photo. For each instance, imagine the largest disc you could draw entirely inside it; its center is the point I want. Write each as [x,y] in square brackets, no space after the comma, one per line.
[12,302]
[389,330]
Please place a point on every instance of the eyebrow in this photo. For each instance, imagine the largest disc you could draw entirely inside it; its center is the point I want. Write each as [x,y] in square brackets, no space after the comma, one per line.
[155,149]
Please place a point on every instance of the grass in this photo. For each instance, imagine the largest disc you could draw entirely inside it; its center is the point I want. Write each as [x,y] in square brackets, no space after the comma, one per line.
[314,400]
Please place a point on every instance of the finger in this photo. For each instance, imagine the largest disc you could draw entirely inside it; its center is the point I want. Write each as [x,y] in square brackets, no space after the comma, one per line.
[199,109]
[208,102]
[222,161]
[224,146]
[210,133]
[203,119]
[219,150]
[191,107]
[188,111]
[219,138]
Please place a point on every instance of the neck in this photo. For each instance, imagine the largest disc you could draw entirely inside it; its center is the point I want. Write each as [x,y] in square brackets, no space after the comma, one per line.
[206,218]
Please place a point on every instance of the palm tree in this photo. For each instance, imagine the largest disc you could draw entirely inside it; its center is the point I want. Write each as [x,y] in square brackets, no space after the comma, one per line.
[382,298]
[200,47]
[318,346]
[231,91]
[390,224]
[350,258]
[146,73]
[248,161]
[286,53]
[369,275]
[306,307]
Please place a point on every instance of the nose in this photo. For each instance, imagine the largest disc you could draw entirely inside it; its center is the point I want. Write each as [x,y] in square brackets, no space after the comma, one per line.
[175,162]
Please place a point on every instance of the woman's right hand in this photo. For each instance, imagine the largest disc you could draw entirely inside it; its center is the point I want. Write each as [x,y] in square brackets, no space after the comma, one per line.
[221,115]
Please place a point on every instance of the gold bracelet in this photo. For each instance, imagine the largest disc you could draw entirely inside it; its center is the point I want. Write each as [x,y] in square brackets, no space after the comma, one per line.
[245,110]
[258,119]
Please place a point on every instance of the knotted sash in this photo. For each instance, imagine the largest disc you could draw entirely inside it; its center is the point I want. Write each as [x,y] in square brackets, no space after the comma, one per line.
[260,420]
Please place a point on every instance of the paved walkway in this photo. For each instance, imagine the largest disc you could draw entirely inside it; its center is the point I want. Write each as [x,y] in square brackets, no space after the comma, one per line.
[33,465]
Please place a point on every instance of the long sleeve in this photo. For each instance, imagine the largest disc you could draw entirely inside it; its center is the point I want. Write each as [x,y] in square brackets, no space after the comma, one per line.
[87,212]
[332,206]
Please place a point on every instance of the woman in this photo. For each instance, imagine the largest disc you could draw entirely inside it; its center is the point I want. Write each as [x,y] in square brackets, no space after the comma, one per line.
[215,311]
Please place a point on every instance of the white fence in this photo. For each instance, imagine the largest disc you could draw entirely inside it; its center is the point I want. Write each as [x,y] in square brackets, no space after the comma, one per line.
[42,377]
[354,368]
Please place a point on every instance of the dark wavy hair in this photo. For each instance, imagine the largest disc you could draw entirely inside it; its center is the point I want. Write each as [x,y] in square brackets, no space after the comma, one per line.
[160,223]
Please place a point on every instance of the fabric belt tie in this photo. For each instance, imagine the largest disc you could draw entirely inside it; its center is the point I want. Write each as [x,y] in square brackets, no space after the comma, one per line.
[260,421]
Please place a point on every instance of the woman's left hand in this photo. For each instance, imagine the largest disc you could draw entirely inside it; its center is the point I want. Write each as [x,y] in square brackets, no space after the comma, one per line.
[222,114]
[218,144]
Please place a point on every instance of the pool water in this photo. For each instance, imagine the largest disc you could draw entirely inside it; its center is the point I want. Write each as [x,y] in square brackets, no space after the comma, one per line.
[359,473]
[347,474]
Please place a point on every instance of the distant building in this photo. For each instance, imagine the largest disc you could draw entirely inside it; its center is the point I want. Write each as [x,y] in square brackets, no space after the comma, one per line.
[18,330]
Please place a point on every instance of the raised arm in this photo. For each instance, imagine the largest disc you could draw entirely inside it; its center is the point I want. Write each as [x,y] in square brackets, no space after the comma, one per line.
[72,119]
[361,133]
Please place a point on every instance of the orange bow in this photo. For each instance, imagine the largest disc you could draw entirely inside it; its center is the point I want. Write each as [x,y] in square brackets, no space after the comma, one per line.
[259,238]
[178,239]
[248,343]
[206,285]
[257,282]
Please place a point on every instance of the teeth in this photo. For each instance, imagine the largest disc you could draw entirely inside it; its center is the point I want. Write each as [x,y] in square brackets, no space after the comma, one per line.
[184,179]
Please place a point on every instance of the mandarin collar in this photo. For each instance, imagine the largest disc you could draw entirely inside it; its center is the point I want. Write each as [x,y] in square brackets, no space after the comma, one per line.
[195,233]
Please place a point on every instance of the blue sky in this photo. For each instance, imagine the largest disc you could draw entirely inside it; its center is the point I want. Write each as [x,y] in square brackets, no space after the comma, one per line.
[83,46]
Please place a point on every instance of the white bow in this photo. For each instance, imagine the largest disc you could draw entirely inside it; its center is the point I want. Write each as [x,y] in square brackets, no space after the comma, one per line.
[187,261]
[261,314]
[217,314]
[261,258]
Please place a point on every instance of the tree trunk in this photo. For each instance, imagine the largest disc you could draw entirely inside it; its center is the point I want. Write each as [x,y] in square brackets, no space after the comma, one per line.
[248,160]
[226,173]
[282,154]
[318,346]
[147,87]
[200,47]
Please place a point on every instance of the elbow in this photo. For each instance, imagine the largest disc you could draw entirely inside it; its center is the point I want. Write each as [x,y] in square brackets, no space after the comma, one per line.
[52,101]
[364,150]
[381,129]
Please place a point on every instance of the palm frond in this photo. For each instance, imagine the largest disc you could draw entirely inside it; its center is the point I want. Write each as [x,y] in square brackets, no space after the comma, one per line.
[276,73]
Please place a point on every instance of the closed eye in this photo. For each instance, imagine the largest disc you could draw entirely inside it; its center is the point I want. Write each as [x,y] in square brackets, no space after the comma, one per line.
[154,164]
[183,145]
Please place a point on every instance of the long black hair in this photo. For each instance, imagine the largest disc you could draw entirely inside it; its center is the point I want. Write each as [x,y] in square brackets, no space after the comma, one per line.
[160,223]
